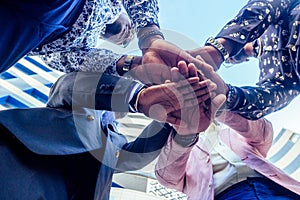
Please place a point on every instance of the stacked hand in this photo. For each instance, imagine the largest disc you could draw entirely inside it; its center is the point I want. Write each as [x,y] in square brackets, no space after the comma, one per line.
[183,101]
[195,119]
[161,56]
[159,102]
[158,58]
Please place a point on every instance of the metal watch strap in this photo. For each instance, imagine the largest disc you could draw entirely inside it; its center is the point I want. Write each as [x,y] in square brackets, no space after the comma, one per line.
[213,42]
[127,63]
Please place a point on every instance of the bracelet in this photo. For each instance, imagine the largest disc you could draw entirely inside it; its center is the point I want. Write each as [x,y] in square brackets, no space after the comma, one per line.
[232,97]
[258,48]
[127,63]
[148,34]
[185,140]
[217,45]
[137,100]
[241,101]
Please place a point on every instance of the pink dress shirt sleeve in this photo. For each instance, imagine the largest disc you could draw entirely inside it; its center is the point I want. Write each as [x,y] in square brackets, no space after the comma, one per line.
[257,133]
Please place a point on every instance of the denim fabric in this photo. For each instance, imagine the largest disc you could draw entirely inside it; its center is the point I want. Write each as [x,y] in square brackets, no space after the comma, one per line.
[257,188]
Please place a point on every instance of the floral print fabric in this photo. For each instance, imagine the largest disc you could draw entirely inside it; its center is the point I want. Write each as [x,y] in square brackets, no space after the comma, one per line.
[77,50]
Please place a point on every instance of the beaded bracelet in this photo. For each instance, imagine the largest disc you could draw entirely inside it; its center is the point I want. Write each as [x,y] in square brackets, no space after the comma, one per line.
[217,45]
[232,97]
[143,38]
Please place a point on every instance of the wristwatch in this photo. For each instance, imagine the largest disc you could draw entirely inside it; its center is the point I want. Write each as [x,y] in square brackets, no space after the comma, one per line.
[218,46]
[127,63]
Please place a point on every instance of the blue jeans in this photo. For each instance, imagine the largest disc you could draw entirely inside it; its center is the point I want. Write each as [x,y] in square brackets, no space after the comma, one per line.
[257,188]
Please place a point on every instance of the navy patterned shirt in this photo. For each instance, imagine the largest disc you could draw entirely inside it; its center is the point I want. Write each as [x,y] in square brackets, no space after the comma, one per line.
[77,50]
[276,23]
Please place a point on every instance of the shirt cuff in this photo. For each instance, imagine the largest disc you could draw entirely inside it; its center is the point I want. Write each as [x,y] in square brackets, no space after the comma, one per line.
[132,98]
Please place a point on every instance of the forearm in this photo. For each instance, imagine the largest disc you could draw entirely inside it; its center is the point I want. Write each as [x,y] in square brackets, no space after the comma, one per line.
[257,133]
[85,59]
[143,13]
[93,90]
[145,19]
[251,22]
[134,61]
[145,148]
[171,166]
[256,102]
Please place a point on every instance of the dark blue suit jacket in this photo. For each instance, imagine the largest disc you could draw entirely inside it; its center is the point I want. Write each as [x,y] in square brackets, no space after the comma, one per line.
[66,151]
[79,151]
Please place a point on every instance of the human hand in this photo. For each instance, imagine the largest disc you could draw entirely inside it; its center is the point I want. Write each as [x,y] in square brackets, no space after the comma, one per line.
[158,58]
[243,55]
[207,71]
[159,101]
[119,32]
[196,118]
[209,54]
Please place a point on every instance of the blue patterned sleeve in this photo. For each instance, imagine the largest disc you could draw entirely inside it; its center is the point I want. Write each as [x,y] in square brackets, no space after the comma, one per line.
[261,101]
[85,59]
[253,19]
[142,12]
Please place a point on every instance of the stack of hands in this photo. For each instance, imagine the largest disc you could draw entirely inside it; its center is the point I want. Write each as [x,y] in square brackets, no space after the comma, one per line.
[187,95]
[184,87]
[187,100]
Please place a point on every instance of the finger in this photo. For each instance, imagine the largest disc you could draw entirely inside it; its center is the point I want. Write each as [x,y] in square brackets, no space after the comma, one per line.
[191,93]
[192,70]
[206,86]
[195,101]
[173,120]
[183,69]
[198,57]
[175,74]
[203,66]
[179,125]
[186,82]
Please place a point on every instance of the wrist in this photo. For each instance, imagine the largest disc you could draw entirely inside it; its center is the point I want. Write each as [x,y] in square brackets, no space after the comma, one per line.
[231,97]
[257,48]
[127,63]
[147,35]
[209,54]
[219,47]
[134,102]
[185,140]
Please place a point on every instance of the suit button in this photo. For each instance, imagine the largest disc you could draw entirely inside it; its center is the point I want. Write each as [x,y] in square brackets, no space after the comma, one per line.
[90,117]
[117,154]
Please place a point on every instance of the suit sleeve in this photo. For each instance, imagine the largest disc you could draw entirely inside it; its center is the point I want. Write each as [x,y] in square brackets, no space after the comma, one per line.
[171,166]
[145,148]
[93,90]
